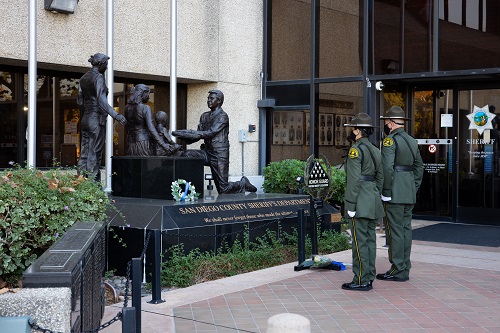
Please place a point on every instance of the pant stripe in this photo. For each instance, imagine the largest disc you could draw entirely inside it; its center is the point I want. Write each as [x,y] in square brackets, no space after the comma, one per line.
[388,234]
[355,239]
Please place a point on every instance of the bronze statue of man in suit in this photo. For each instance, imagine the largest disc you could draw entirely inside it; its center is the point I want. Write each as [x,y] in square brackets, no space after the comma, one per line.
[214,130]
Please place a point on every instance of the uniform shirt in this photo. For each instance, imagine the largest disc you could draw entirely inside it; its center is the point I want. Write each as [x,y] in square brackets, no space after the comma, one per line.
[214,129]
[400,149]
[363,196]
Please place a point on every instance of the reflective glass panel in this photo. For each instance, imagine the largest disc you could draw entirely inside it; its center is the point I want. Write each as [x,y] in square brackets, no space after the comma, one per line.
[469,34]
[402,50]
[290,39]
[341,38]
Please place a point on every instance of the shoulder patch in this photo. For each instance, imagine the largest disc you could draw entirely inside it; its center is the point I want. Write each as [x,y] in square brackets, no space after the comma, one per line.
[353,153]
[388,142]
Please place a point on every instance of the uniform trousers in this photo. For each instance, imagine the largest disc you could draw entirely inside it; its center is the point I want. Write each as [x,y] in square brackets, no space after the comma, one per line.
[218,161]
[399,238]
[364,248]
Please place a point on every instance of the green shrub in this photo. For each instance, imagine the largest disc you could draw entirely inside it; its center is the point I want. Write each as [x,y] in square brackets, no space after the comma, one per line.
[281,177]
[36,208]
[183,270]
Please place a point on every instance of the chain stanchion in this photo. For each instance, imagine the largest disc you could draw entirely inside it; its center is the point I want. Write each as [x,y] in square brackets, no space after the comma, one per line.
[301,236]
[156,281]
[136,291]
[128,320]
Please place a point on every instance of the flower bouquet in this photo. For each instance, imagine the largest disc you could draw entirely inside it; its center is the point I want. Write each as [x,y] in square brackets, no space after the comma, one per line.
[319,261]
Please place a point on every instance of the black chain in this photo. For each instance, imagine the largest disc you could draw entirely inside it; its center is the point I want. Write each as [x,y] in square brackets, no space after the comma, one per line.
[103,326]
[146,243]
[127,283]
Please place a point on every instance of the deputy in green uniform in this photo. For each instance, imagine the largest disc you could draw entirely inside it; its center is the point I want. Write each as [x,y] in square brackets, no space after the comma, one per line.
[362,201]
[403,171]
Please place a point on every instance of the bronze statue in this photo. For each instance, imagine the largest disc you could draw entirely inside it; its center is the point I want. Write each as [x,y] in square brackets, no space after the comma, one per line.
[161,119]
[94,108]
[141,129]
[214,129]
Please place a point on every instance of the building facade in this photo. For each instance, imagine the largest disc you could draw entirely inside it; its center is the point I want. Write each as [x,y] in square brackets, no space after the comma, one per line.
[328,60]
[297,69]
[219,46]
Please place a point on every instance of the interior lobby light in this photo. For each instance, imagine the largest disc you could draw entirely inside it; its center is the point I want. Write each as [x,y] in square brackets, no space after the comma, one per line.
[61,6]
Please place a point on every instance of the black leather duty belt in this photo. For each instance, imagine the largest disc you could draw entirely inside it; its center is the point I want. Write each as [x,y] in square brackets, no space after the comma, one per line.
[399,168]
[367,178]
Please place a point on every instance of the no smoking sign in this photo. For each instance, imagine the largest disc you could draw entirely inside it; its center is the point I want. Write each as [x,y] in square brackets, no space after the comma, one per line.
[432,149]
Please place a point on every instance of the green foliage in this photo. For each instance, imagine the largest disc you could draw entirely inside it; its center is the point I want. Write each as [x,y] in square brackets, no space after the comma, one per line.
[183,270]
[337,185]
[281,177]
[36,208]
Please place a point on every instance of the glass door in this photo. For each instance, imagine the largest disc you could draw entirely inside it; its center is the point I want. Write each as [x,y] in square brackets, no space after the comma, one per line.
[432,124]
[478,157]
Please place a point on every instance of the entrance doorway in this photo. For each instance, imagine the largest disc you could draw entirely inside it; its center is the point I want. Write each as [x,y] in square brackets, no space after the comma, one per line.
[432,126]
[457,129]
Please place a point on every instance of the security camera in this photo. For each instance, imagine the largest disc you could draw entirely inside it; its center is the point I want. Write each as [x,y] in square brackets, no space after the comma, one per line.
[379,85]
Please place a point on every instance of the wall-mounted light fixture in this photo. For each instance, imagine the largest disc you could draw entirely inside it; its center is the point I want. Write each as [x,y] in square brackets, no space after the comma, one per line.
[61,6]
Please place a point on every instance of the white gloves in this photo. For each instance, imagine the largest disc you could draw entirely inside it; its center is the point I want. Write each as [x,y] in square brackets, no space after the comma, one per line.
[351,214]
[385,198]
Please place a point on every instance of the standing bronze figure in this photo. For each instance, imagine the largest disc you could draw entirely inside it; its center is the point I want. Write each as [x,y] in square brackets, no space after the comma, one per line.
[141,129]
[214,130]
[94,108]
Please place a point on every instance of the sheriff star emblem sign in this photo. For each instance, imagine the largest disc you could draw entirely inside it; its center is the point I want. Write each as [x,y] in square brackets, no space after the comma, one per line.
[480,119]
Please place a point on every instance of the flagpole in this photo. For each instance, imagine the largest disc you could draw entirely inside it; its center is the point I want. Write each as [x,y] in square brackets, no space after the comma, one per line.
[173,65]
[110,85]
[31,130]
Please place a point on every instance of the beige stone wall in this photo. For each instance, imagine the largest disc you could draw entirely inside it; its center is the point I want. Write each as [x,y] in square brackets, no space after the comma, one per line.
[219,47]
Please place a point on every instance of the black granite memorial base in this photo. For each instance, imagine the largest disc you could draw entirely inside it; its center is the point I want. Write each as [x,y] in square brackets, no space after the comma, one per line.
[204,224]
[75,261]
[152,176]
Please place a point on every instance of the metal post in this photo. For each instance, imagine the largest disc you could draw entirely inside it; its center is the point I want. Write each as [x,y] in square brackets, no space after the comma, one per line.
[110,85]
[136,291]
[128,320]
[314,234]
[301,236]
[173,65]
[32,78]
[156,282]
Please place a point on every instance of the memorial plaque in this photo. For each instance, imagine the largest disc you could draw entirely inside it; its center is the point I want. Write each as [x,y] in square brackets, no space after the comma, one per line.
[56,260]
[73,240]
[225,211]
[84,225]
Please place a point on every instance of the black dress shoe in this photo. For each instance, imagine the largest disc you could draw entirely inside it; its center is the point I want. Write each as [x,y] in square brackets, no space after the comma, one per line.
[354,286]
[247,185]
[370,284]
[389,277]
